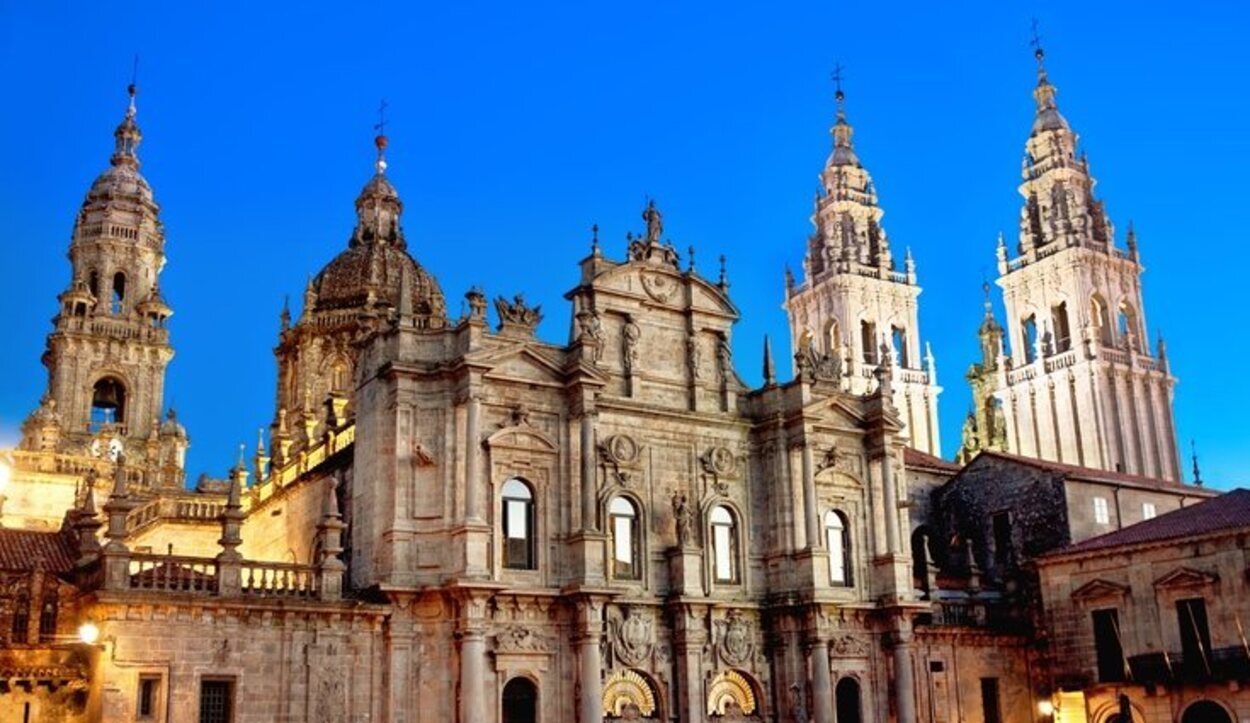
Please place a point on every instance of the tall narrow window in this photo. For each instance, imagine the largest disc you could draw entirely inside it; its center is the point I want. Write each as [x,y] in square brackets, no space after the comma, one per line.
[724,545]
[149,690]
[1098,313]
[1130,332]
[838,540]
[1148,511]
[119,292]
[991,707]
[1028,335]
[216,701]
[898,338]
[1191,618]
[833,338]
[47,617]
[1059,324]
[868,341]
[21,618]
[625,539]
[518,525]
[1107,645]
[1102,515]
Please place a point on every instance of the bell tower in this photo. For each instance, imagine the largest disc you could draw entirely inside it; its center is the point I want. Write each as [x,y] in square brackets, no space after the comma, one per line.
[855,311]
[1081,385]
[107,353]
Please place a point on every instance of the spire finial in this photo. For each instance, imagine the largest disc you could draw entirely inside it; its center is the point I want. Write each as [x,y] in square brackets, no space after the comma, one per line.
[1035,42]
[989,302]
[769,376]
[836,75]
[691,252]
[1193,447]
[724,275]
[133,88]
[381,140]
[594,240]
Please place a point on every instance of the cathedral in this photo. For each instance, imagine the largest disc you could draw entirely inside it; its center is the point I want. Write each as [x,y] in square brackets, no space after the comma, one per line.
[451,519]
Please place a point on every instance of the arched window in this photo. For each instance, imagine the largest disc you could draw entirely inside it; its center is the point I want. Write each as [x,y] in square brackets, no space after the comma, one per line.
[838,540]
[626,562]
[47,617]
[119,292]
[1098,313]
[1059,323]
[833,338]
[108,402]
[21,618]
[868,341]
[1028,336]
[724,545]
[898,338]
[520,701]
[1206,711]
[518,526]
[1130,332]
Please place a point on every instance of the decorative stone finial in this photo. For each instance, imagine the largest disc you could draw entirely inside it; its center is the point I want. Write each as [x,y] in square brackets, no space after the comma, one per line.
[380,140]
[769,376]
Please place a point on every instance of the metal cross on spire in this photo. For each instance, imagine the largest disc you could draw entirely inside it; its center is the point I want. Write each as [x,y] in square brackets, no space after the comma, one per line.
[836,75]
[380,126]
[1036,41]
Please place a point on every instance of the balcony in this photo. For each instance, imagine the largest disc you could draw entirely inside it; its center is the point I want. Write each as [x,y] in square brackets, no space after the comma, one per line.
[1231,663]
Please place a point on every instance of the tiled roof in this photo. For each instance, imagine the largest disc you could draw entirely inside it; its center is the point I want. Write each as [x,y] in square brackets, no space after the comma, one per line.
[1072,471]
[20,549]
[916,458]
[1227,512]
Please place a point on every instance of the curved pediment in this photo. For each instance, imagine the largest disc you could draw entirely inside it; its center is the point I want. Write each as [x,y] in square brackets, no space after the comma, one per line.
[522,437]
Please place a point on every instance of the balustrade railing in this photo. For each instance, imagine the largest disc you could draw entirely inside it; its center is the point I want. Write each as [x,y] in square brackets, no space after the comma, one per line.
[172,573]
[275,579]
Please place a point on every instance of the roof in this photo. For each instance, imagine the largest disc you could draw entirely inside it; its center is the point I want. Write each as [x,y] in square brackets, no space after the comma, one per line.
[1088,474]
[1230,511]
[23,549]
[916,458]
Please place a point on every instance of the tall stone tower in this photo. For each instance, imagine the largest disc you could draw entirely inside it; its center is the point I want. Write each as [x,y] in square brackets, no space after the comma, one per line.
[855,311]
[107,354]
[1081,385]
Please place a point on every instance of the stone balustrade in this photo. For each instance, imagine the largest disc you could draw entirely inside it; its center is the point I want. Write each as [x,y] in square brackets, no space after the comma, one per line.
[276,579]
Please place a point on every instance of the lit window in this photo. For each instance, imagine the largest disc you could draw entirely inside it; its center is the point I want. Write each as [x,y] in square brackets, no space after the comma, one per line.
[724,545]
[518,525]
[1148,511]
[624,518]
[1101,515]
[838,539]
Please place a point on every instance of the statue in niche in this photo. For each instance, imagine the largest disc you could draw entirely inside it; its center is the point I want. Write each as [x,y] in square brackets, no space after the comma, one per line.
[630,336]
[683,520]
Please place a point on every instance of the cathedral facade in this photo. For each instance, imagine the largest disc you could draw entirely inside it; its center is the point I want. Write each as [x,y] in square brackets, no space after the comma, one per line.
[453,519]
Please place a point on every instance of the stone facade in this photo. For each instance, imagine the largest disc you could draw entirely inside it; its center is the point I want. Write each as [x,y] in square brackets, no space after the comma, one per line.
[453,519]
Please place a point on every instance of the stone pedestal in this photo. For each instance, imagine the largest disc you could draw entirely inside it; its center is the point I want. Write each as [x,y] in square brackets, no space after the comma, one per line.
[685,570]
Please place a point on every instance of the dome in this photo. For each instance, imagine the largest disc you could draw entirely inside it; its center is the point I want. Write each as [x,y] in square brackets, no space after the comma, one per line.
[119,181]
[171,427]
[347,281]
[1049,119]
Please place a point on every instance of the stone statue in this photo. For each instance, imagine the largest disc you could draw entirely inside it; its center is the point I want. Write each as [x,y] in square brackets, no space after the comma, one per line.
[655,222]
[724,359]
[683,520]
[630,336]
[590,334]
[518,312]
[694,358]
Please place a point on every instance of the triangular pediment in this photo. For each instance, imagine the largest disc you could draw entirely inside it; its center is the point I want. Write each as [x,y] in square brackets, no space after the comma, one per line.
[522,363]
[1186,577]
[1099,589]
[522,437]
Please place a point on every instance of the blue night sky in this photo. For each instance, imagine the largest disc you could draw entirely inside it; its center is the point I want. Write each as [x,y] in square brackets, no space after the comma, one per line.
[515,126]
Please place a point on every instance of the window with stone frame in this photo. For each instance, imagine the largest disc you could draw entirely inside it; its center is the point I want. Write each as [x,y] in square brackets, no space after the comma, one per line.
[1148,511]
[519,549]
[724,530]
[216,700]
[1108,648]
[1102,514]
[626,540]
[838,542]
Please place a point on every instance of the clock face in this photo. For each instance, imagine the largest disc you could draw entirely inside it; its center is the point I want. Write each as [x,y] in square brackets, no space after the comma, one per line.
[115,449]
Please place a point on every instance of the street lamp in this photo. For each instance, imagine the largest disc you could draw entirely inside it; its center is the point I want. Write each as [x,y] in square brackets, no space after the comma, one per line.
[1046,708]
[88,633]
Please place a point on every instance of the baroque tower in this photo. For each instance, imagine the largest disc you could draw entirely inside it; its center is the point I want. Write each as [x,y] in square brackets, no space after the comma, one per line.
[1081,385]
[107,354]
[855,311]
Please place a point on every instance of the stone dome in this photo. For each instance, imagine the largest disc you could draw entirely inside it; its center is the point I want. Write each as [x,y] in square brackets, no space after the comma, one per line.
[378,270]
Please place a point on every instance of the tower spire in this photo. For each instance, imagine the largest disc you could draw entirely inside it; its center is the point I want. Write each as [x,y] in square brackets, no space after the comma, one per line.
[380,140]
[127,136]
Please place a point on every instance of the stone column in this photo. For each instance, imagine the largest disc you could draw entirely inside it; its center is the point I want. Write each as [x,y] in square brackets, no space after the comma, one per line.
[590,677]
[822,683]
[472,475]
[904,678]
[690,636]
[588,471]
[891,500]
[473,675]
[811,515]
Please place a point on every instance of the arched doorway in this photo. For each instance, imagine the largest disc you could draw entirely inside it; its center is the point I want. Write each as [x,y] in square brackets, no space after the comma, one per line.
[847,698]
[520,701]
[1206,711]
